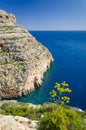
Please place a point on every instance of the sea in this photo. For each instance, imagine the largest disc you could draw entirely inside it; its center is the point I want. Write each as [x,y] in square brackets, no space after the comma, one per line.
[69,51]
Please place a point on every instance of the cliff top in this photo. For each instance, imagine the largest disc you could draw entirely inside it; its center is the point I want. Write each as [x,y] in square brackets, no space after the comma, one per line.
[5,17]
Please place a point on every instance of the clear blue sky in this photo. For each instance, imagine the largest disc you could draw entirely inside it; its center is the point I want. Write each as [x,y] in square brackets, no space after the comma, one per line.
[48,14]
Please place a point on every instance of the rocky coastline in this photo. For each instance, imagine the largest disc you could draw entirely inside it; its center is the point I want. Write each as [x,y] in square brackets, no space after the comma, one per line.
[23,60]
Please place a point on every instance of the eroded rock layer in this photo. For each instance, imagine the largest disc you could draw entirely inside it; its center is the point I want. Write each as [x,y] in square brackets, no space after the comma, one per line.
[23,60]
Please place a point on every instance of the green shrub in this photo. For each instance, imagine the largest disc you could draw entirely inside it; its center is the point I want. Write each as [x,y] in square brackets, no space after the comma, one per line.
[20,110]
[10,109]
[62,119]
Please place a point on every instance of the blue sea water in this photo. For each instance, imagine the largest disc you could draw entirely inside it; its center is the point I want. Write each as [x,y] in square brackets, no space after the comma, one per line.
[69,51]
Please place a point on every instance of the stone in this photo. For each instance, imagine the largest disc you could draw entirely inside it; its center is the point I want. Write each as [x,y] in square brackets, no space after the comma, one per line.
[16,123]
[23,60]
[33,124]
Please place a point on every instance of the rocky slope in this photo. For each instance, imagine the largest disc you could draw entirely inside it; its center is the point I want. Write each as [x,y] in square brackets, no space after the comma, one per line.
[23,60]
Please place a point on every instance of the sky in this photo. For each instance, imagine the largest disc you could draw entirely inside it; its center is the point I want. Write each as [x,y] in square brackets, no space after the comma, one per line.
[48,14]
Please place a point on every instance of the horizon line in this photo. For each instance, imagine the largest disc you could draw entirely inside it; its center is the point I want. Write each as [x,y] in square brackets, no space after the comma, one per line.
[55,30]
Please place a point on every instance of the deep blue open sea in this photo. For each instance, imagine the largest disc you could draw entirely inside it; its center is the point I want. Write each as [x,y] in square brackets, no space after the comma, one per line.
[69,51]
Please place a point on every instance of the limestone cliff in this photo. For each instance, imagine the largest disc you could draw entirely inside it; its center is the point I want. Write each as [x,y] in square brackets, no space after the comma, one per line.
[23,60]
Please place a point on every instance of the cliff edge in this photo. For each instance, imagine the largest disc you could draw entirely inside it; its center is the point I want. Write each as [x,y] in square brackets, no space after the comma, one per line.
[23,60]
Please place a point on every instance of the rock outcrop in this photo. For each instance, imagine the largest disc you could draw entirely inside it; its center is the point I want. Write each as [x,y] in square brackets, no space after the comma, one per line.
[16,123]
[23,60]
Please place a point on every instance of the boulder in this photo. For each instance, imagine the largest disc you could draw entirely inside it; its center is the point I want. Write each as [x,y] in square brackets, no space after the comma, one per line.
[16,123]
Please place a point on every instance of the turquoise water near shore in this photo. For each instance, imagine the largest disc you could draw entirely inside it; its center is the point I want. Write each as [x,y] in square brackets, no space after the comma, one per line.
[69,51]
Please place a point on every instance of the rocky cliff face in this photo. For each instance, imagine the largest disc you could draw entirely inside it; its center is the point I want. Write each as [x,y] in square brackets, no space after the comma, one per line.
[23,60]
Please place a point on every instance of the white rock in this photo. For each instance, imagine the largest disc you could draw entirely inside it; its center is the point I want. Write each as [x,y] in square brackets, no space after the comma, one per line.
[16,123]
[33,124]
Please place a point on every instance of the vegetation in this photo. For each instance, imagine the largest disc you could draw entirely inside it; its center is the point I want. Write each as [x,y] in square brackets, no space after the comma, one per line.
[14,63]
[17,38]
[58,94]
[61,118]
[9,27]
[22,109]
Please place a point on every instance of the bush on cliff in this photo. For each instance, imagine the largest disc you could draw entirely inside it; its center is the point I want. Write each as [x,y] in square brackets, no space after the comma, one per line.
[62,119]
[10,109]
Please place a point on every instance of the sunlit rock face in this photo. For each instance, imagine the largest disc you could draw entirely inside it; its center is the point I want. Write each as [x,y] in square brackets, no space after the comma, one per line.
[16,123]
[23,60]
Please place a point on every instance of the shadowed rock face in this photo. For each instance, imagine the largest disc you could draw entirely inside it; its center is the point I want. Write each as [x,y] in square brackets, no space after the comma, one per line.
[23,60]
